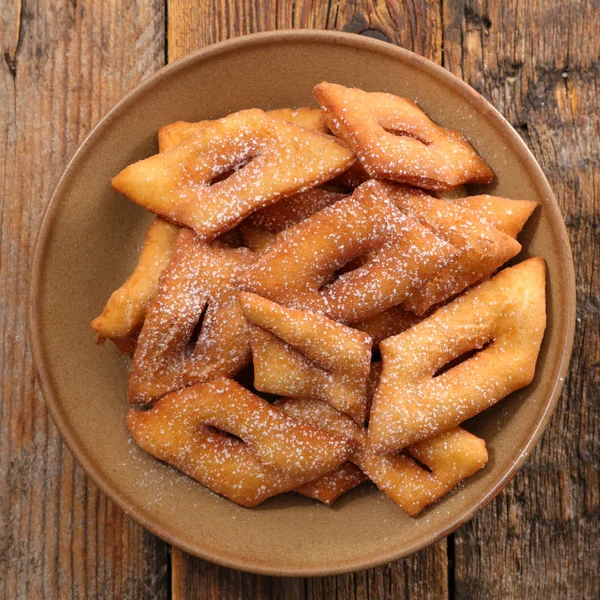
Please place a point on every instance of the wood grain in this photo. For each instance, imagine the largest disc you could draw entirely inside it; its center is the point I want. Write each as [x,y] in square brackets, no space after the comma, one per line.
[538,63]
[423,575]
[414,24]
[66,62]
[417,26]
[63,65]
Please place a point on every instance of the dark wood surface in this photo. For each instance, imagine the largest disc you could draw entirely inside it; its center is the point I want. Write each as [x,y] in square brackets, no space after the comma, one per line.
[66,62]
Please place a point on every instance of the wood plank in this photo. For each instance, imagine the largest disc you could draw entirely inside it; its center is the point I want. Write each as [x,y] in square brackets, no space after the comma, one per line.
[417,26]
[64,64]
[538,62]
[423,575]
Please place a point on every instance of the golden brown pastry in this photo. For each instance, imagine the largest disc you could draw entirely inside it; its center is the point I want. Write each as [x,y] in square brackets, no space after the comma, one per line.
[449,457]
[300,353]
[270,159]
[504,318]
[482,248]
[296,270]
[394,139]
[124,313]
[235,443]
[174,133]
[259,229]
[194,329]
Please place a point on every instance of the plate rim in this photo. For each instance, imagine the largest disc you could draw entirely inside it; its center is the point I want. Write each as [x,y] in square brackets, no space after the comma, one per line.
[45,233]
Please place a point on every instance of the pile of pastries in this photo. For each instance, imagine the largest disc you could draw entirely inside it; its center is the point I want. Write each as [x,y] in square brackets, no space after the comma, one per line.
[319,302]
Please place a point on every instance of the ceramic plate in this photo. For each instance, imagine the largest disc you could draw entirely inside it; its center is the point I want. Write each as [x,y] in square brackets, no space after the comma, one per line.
[89,243]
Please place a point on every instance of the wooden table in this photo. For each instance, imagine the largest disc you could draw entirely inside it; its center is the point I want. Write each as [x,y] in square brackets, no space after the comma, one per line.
[66,62]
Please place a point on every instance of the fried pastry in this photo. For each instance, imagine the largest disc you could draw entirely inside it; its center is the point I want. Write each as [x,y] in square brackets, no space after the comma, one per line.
[270,158]
[390,322]
[353,177]
[174,133]
[460,191]
[483,248]
[196,293]
[259,229]
[330,487]
[124,313]
[296,270]
[394,139]
[373,382]
[259,240]
[290,211]
[509,216]
[311,118]
[504,318]
[449,458]
[193,429]
[300,353]
[323,279]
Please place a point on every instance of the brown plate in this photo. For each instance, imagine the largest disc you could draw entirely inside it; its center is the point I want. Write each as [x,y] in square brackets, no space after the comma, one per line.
[89,242]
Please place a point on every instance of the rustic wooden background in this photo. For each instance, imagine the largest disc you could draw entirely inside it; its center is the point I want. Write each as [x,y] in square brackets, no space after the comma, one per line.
[66,62]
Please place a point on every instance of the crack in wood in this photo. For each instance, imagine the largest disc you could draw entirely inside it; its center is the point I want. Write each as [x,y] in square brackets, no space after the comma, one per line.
[11,64]
[10,56]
